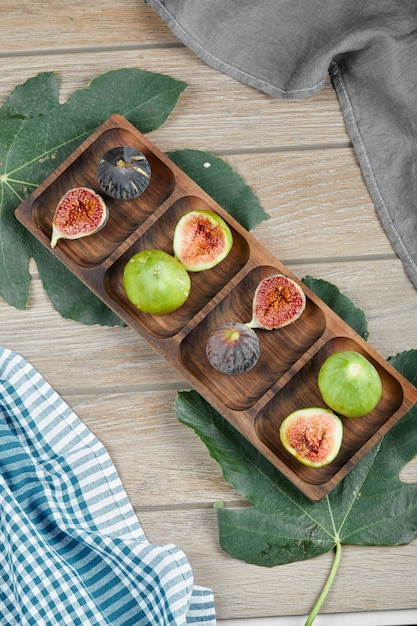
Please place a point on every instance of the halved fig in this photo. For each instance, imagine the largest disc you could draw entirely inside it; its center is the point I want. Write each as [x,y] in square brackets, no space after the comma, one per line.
[233,348]
[80,212]
[312,435]
[123,173]
[277,302]
[201,240]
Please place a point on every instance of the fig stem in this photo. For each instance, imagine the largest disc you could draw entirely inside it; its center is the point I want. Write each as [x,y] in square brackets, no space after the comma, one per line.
[327,586]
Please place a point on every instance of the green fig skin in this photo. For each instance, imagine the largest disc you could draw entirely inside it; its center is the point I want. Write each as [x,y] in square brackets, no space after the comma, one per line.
[312,435]
[155,282]
[202,239]
[349,384]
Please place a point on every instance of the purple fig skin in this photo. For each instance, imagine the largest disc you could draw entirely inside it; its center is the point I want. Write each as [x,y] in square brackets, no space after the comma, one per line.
[202,239]
[233,348]
[312,435]
[277,302]
[123,173]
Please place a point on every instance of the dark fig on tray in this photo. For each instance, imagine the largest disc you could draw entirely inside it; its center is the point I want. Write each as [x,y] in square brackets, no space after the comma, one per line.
[277,302]
[201,240]
[155,282]
[123,173]
[312,435]
[349,383]
[80,212]
[233,348]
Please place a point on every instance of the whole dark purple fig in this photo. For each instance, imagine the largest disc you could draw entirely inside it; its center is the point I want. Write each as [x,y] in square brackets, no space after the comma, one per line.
[233,348]
[123,173]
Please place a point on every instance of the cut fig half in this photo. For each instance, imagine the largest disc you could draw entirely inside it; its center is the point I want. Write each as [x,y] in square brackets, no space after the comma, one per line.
[277,302]
[79,213]
[233,348]
[202,239]
[312,435]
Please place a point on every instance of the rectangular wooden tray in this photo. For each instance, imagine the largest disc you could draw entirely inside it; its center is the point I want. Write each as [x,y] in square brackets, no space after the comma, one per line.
[285,377]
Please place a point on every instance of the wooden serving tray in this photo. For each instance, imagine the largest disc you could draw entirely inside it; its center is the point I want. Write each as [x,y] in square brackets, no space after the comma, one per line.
[285,377]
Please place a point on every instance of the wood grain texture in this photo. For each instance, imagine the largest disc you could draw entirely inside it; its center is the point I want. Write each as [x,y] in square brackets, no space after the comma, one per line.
[297,157]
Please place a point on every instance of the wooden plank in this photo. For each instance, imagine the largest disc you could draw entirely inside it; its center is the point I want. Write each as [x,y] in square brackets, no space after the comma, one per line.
[370,578]
[215,113]
[56,24]
[318,204]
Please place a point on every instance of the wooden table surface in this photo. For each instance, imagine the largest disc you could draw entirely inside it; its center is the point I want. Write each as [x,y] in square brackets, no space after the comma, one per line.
[298,159]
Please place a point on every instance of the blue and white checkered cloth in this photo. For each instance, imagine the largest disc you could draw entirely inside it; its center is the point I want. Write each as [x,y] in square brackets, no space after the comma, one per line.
[72,550]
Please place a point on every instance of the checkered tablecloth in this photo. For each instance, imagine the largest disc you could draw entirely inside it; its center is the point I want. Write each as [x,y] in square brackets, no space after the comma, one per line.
[72,550]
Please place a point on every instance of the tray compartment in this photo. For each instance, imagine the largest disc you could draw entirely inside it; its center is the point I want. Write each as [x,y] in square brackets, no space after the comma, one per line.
[285,376]
[125,216]
[204,285]
[280,348]
[302,391]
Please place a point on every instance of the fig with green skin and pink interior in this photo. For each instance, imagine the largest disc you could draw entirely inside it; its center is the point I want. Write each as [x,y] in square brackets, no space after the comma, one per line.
[312,435]
[202,239]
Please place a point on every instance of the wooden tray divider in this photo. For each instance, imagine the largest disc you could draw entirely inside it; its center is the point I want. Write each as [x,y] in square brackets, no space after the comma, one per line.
[285,376]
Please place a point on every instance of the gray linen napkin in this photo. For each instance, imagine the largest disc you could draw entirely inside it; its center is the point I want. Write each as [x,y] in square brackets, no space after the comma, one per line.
[286,48]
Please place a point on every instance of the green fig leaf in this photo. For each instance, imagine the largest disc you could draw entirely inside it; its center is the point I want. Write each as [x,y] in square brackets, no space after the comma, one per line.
[371,506]
[340,303]
[36,134]
[223,184]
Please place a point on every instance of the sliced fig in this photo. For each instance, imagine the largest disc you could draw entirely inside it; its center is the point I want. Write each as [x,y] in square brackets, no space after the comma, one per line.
[123,173]
[201,240]
[80,212]
[312,435]
[277,302]
[233,348]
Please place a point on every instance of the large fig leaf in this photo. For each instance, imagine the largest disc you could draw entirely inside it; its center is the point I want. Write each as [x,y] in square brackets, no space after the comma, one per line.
[371,506]
[223,184]
[340,303]
[36,134]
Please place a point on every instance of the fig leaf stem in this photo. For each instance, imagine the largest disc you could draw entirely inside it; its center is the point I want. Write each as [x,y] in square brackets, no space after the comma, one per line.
[327,586]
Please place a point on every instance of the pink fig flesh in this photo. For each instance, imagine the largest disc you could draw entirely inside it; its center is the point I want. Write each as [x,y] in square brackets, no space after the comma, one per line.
[278,301]
[201,240]
[312,435]
[80,212]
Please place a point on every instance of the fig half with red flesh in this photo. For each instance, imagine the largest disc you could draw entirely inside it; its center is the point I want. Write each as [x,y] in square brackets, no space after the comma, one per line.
[80,212]
[201,240]
[312,435]
[277,302]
